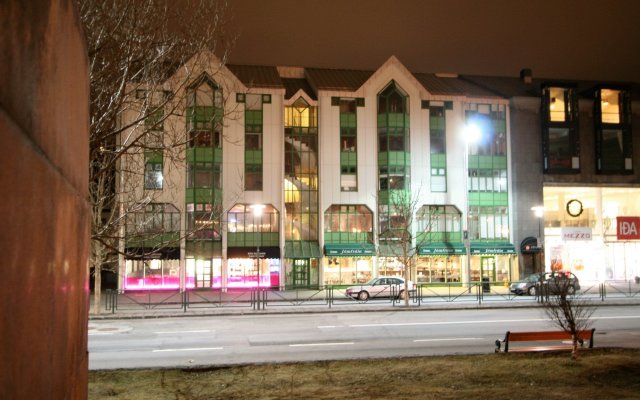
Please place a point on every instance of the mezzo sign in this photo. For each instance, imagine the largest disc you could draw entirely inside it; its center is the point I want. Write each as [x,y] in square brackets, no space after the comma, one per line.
[628,228]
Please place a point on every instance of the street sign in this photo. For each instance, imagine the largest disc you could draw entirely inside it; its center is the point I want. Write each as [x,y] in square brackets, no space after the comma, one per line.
[256,254]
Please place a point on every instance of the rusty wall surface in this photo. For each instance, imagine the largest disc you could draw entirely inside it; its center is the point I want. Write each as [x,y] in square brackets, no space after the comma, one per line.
[44,214]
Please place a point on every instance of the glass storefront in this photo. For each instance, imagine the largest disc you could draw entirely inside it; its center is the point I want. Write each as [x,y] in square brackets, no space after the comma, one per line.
[251,272]
[152,274]
[581,232]
[347,270]
[438,269]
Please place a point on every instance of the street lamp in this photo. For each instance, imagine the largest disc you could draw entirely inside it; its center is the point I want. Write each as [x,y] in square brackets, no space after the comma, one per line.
[538,211]
[472,134]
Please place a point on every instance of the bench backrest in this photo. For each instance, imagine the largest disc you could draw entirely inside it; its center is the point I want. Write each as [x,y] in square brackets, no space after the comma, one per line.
[546,335]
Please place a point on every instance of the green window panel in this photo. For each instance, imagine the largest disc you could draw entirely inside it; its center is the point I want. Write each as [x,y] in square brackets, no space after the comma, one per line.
[252,239]
[203,114]
[153,157]
[155,120]
[400,158]
[200,154]
[348,159]
[253,157]
[393,120]
[488,199]
[203,249]
[347,120]
[437,123]
[166,239]
[200,195]
[253,117]
[438,160]
[500,162]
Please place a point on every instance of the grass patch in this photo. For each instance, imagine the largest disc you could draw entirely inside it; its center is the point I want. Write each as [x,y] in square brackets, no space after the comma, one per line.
[598,374]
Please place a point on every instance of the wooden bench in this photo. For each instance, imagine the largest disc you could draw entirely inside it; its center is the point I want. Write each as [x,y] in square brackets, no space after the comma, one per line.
[543,336]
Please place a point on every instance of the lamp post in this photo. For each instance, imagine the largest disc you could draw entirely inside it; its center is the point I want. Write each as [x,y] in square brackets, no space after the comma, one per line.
[257,222]
[538,211]
[472,134]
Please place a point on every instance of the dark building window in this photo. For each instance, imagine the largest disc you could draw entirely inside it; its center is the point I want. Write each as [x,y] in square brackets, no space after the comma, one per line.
[561,142]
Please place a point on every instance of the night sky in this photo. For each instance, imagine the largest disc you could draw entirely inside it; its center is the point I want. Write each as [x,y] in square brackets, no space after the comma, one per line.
[577,39]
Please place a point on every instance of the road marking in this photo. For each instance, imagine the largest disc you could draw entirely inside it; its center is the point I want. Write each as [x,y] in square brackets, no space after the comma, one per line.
[330,326]
[172,332]
[448,322]
[447,339]
[321,344]
[187,349]
[99,333]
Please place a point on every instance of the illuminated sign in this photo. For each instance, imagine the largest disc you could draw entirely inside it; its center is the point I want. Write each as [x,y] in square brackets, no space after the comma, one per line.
[576,234]
[628,228]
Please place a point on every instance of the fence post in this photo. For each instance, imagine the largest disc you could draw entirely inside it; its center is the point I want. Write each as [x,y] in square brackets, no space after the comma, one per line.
[603,291]
[185,300]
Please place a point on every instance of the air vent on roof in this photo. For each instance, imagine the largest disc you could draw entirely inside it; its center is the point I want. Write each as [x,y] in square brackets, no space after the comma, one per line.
[446,75]
[526,75]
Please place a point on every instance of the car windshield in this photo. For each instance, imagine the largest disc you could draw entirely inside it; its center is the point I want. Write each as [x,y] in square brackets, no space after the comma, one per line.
[532,278]
[371,281]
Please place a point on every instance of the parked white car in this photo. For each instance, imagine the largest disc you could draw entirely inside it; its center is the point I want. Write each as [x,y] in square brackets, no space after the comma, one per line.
[380,287]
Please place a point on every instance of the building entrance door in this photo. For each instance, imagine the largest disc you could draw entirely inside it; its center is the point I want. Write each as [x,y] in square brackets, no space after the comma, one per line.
[488,268]
[301,272]
[203,273]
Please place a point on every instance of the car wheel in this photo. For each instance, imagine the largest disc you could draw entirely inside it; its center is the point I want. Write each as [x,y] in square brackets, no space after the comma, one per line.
[532,291]
[363,296]
[571,290]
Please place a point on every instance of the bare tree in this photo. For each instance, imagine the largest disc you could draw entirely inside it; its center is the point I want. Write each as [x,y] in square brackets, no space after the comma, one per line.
[133,47]
[567,310]
[401,233]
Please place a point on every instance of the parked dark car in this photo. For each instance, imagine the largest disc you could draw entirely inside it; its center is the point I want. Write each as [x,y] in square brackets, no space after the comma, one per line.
[555,282]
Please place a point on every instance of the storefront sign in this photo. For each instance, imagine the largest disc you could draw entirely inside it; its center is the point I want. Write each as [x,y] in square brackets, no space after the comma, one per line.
[576,234]
[349,250]
[498,248]
[628,228]
[442,249]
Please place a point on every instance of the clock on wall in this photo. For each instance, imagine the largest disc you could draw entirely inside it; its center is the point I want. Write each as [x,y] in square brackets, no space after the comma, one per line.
[574,208]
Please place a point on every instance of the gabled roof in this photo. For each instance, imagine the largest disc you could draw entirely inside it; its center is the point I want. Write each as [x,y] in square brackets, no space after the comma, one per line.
[337,79]
[257,76]
[293,85]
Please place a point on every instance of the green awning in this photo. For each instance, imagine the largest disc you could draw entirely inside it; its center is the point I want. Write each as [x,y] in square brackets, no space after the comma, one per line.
[301,249]
[492,248]
[349,249]
[442,249]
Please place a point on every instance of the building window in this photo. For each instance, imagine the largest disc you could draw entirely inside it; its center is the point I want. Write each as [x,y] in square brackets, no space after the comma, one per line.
[561,146]
[253,120]
[301,171]
[439,223]
[348,224]
[613,132]
[394,160]
[348,145]
[438,147]
[153,165]
[150,220]
[203,222]
[203,175]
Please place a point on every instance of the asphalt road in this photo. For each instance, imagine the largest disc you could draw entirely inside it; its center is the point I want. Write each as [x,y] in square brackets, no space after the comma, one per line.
[250,339]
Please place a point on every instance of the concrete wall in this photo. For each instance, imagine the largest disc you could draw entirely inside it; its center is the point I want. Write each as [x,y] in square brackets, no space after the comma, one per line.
[44,214]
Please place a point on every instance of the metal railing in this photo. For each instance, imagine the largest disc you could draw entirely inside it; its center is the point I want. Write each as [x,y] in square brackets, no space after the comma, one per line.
[336,296]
